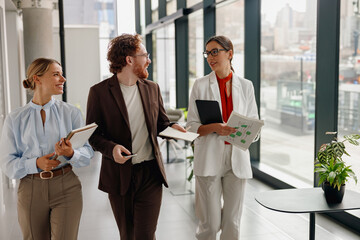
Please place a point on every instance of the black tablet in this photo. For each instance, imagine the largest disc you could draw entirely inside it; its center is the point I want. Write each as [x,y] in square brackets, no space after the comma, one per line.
[209,111]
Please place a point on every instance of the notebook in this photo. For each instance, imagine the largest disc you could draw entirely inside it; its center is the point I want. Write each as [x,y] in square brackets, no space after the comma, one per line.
[78,137]
[174,133]
[209,111]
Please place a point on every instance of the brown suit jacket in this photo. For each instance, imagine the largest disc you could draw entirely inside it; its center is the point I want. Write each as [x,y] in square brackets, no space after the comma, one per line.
[106,107]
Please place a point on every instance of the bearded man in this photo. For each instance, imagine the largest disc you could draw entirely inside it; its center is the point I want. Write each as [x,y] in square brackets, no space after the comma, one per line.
[130,114]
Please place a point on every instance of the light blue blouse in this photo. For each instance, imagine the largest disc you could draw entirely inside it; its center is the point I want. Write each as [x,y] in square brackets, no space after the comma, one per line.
[24,138]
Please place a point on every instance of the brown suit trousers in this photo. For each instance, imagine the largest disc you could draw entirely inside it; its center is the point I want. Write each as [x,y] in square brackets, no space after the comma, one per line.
[137,212]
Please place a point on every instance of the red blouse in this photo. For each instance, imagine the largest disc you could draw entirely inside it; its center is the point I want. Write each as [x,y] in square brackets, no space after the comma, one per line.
[226,101]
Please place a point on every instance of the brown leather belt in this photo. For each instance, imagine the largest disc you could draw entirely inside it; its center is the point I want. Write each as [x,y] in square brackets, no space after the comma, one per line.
[53,173]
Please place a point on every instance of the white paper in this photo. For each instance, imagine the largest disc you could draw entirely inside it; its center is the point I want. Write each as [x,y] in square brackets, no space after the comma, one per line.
[247,130]
[173,133]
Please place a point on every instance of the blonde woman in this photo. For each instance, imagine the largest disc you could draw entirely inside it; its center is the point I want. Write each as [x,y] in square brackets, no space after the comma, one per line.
[49,194]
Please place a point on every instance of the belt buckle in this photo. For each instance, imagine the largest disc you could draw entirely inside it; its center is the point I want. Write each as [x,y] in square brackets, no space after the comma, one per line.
[51,175]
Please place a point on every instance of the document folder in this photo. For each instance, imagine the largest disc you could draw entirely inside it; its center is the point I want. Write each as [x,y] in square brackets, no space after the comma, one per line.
[209,111]
[78,137]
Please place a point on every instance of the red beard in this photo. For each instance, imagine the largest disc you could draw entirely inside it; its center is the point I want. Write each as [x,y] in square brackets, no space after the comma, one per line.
[141,71]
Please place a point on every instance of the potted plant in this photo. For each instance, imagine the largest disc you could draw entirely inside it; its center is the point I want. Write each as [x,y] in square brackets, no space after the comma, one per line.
[333,172]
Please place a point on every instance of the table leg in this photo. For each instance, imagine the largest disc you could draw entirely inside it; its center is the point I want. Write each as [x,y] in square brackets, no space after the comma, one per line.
[312,226]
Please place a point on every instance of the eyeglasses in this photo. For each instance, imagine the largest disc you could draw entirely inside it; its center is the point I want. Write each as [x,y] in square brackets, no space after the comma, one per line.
[147,55]
[214,52]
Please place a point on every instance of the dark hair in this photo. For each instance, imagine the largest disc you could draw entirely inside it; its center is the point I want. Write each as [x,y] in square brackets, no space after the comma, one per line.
[37,68]
[224,42]
[121,47]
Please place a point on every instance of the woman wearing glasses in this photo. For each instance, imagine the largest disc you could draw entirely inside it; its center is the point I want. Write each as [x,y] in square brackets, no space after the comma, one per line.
[221,170]
[49,194]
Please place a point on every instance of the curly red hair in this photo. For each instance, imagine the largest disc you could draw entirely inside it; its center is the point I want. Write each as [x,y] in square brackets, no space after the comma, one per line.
[121,47]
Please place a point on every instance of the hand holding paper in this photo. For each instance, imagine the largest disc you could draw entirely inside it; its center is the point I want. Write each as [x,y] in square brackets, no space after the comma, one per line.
[224,130]
[247,130]
[178,127]
[173,133]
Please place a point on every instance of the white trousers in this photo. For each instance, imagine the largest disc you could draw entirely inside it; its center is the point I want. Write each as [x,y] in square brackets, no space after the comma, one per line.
[212,216]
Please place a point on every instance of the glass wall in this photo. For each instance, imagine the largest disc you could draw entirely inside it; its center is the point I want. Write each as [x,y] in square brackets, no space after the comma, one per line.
[170,7]
[164,63]
[154,10]
[190,3]
[230,23]
[287,77]
[142,17]
[196,47]
[288,47]
[349,79]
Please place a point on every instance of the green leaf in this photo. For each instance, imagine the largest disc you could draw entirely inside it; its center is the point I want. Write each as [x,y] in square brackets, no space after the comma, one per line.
[346,153]
[338,149]
[190,175]
[322,178]
[354,142]
[331,177]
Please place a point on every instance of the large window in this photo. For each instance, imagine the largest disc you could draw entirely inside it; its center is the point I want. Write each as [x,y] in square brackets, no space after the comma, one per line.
[170,7]
[349,79]
[190,3]
[288,87]
[154,10]
[142,16]
[164,63]
[230,23]
[196,47]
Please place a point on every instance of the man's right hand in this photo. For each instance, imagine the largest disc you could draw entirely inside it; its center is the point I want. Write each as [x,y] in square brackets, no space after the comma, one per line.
[46,163]
[118,157]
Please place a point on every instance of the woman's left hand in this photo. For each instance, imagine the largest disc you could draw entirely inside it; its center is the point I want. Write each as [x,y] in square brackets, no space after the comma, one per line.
[64,148]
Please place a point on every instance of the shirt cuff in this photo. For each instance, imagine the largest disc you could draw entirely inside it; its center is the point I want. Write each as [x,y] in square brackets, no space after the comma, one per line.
[30,166]
[172,123]
[75,156]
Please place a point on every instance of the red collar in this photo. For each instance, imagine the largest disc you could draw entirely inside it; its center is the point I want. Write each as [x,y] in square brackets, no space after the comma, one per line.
[224,80]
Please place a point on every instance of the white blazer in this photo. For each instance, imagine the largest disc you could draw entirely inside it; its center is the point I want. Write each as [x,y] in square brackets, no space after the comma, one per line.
[209,149]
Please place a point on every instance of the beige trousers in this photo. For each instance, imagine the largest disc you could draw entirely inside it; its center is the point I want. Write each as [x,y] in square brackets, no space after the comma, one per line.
[212,214]
[50,208]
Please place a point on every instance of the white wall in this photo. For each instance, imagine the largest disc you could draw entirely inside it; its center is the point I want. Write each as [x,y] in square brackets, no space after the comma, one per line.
[82,58]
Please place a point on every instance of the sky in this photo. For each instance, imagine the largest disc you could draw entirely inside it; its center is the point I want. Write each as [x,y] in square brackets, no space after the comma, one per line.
[272,7]
[126,10]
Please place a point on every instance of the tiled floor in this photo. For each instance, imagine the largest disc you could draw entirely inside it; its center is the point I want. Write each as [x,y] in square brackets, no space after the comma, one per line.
[177,218]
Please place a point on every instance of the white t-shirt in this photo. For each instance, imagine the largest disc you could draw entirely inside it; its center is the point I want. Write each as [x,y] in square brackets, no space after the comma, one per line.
[141,144]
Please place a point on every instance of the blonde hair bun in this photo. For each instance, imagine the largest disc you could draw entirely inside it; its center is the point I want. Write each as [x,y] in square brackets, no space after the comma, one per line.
[27,83]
